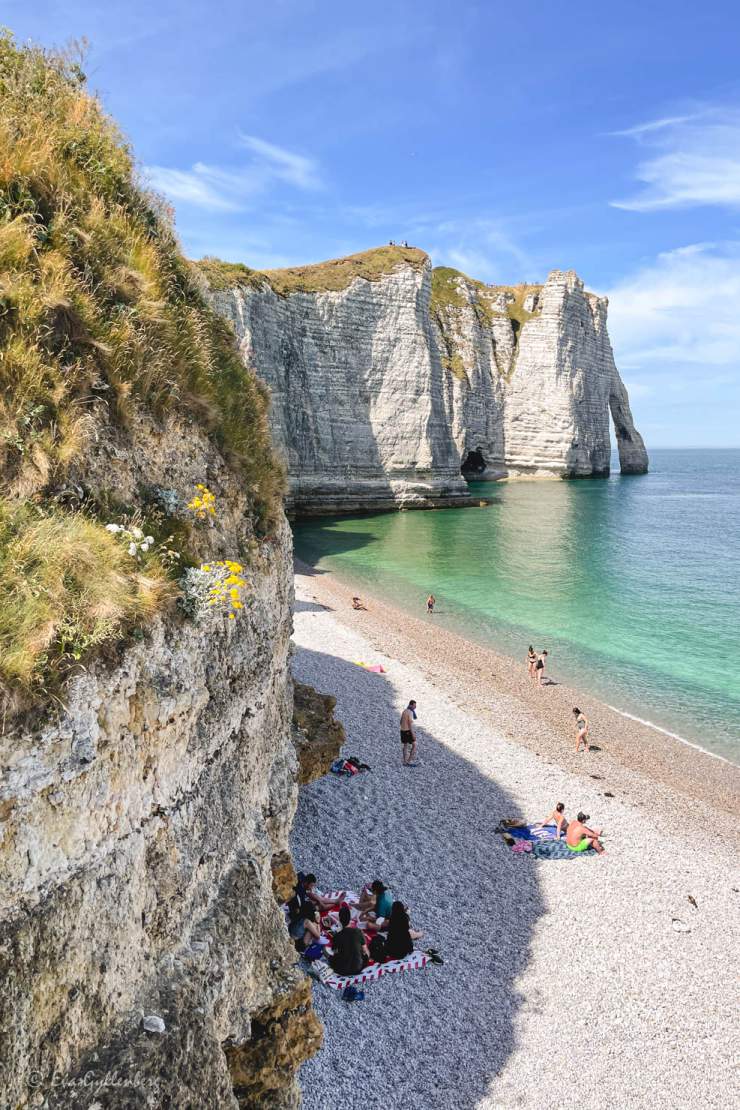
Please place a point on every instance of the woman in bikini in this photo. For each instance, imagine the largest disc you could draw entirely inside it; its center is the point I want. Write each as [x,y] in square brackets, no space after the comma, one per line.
[556,818]
[581,729]
[531,661]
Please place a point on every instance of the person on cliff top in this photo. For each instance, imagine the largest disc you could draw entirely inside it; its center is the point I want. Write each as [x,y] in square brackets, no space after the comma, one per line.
[581,729]
[531,663]
[556,818]
[580,837]
[350,952]
[431,602]
[540,667]
[408,735]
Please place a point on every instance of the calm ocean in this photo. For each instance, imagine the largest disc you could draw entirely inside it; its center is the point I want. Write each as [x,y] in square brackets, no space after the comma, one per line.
[632,584]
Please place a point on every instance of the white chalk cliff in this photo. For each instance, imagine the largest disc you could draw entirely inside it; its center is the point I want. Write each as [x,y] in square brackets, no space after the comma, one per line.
[388,384]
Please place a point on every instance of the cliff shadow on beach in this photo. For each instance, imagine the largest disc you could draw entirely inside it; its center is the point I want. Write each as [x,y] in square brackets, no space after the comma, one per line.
[438,1037]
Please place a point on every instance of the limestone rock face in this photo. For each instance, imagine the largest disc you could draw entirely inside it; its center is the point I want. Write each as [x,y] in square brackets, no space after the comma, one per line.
[382,393]
[357,391]
[317,734]
[141,825]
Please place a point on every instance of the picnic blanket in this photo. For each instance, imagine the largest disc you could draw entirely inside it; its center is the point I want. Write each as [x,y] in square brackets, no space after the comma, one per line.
[373,971]
[330,921]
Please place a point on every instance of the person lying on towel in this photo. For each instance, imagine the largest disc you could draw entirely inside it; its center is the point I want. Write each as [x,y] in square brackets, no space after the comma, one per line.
[351,953]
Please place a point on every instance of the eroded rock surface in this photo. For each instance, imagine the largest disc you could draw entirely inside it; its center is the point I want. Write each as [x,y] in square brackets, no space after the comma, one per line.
[141,824]
[317,734]
[382,394]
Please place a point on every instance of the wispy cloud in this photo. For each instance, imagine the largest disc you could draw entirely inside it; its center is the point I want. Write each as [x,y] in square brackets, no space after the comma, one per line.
[285,165]
[217,188]
[681,309]
[695,160]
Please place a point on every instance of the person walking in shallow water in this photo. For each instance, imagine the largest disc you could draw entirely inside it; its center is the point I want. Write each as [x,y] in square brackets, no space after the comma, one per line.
[408,734]
[581,729]
[539,667]
[431,602]
[531,661]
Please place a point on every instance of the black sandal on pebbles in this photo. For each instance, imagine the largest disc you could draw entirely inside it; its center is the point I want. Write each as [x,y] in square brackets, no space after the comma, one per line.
[434,956]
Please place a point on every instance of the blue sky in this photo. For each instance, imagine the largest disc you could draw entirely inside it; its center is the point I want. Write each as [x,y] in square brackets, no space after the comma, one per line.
[506,140]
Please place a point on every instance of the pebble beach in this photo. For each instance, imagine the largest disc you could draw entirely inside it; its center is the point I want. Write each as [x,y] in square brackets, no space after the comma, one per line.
[597,982]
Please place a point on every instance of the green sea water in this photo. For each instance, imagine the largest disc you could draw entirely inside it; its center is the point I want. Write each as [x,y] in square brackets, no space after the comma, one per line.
[632,584]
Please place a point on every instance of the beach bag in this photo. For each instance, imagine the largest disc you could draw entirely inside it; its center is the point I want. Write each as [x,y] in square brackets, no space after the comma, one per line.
[377,949]
[313,952]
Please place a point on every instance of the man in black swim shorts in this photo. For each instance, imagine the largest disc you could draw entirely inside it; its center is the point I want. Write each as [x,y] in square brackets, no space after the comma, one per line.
[408,734]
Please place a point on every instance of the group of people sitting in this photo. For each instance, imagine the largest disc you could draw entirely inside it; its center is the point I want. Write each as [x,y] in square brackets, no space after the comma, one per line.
[376,913]
[578,836]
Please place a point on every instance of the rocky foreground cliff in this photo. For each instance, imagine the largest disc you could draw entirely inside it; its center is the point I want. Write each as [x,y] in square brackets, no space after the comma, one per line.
[391,380]
[148,755]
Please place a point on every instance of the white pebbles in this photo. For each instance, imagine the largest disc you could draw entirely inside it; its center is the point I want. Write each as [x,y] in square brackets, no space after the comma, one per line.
[564,983]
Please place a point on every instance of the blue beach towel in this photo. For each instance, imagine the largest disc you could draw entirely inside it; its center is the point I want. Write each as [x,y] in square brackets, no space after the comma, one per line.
[529,832]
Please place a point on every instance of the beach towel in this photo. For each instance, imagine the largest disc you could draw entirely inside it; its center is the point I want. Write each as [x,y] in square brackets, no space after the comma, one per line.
[415,962]
[530,832]
[375,668]
[558,849]
[330,921]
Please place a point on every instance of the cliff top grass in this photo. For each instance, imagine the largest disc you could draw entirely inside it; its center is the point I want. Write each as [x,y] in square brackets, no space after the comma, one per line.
[331,276]
[100,317]
[446,294]
[227,275]
[337,273]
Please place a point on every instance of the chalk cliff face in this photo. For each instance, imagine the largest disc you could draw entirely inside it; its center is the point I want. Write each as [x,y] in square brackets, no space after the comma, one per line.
[385,390]
[140,828]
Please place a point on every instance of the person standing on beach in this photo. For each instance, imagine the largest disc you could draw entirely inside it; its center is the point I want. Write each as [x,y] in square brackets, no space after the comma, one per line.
[540,666]
[531,661]
[431,602]
[408,734]
[581,729]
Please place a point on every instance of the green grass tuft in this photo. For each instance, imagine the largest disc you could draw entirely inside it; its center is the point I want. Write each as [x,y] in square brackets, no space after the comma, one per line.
[68,586]
[96,298]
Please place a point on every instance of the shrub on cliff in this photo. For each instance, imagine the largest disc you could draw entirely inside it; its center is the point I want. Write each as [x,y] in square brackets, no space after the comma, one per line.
[101,317]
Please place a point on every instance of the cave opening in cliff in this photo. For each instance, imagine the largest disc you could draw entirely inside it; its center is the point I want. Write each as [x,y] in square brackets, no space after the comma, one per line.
[474,464]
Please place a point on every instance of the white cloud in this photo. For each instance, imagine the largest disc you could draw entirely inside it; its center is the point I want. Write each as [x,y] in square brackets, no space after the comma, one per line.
[680,309]
[695,161]
[229,190]
[284,164]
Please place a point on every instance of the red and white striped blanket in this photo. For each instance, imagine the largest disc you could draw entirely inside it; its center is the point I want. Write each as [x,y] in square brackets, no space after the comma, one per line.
[330,919]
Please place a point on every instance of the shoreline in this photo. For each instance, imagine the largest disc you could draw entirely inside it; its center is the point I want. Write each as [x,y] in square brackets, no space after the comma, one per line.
[637,943]
[640,760]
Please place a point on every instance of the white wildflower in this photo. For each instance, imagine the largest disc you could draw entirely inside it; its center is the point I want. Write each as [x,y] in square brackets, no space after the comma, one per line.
[132,549]
[137,533]
[113,527]
[150,539]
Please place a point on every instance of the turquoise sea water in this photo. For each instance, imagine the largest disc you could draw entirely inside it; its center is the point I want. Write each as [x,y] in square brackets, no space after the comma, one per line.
[632,584]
